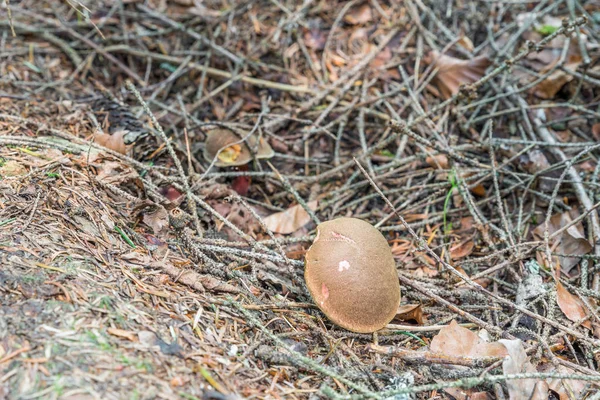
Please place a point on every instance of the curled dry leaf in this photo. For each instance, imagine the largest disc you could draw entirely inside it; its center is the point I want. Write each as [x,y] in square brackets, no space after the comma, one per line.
[454,340]
[572,241]
[452,72]
[290,220]
[410,312]
[571,305]
[115,142]
[515,363]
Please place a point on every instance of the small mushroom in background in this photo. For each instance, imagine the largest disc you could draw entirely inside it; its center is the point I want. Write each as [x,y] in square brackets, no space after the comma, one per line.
[231,150]
[351,274]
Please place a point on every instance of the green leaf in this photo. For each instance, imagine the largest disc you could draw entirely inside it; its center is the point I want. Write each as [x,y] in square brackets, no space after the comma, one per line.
[386,153]
[547,29]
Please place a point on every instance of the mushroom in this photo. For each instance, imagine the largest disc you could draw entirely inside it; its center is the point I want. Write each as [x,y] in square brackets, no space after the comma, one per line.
[351,275]
[232,150]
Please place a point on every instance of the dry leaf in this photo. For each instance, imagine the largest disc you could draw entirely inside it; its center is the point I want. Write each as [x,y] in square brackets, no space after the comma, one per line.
[452,72]
[123,333]
[566,389]
[461,250]
[454,340]
[515,363]
[478,190]
[289,220]
[572,241]
[359,15]
[549,87]
[410,312]
[571,305]
[115,142]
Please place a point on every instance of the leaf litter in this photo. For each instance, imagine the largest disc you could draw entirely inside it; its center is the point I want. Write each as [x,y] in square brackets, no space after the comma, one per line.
[137,279]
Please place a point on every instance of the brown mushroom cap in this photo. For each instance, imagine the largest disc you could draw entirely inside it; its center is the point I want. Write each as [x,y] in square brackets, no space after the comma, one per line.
[233,151]
[351,274]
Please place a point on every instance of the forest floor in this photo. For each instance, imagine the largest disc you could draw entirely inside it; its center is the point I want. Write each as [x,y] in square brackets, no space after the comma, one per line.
[136,264]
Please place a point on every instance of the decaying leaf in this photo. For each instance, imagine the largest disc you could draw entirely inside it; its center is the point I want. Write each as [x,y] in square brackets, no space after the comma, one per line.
[453,72]
[571,305]
[115,142]
[290,220]
[515,363]
[454,340]
[572,241]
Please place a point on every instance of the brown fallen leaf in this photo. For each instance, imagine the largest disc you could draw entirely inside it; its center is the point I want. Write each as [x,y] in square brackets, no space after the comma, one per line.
[549,87]
[290,220]
[115,142]
[572,241]
[410,312]
[571,305]
[453,72]
[454,340]
[462,249]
